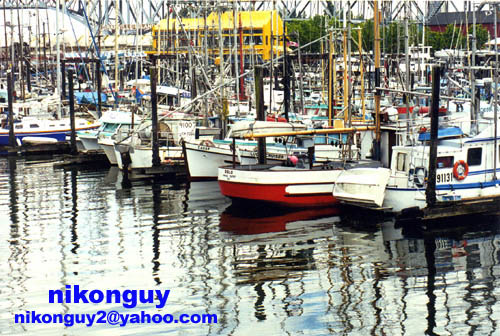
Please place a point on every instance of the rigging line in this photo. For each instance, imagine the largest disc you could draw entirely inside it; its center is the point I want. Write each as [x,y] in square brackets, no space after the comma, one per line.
[97,48]
[79,52]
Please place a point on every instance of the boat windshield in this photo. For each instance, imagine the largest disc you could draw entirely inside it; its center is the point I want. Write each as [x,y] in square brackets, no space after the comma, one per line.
[110,128]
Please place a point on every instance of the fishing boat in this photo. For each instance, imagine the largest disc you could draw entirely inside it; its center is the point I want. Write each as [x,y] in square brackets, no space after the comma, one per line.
[34,127]
[203,158]
[466,172]
[172,131]
[300,181]
[114,122]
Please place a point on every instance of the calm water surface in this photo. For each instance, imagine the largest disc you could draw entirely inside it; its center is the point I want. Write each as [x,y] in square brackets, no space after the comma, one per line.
[316,272]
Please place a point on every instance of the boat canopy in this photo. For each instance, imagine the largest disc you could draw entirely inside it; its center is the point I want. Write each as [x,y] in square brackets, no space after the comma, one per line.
[89,97]
[443,133]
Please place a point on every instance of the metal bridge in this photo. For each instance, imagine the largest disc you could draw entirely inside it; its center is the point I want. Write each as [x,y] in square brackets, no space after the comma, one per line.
[147,12]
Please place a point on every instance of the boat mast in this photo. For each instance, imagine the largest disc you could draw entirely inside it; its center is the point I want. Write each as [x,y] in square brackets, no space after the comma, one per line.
[495,99]
[117,33]
[301,83]
[221,72]
[5,32]
[473,75]
[330,80]
[58,61]
[409,116]
[376,46]
[350,81]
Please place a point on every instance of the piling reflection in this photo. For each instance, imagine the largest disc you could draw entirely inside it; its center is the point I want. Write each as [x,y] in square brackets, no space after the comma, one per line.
[457,262]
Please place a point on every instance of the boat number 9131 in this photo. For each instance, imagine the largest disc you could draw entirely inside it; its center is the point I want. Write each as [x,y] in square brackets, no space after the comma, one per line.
[444,177]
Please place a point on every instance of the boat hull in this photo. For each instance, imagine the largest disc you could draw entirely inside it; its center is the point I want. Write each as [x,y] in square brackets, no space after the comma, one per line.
[59,136]
[286,188]
[89,140]
[203,161]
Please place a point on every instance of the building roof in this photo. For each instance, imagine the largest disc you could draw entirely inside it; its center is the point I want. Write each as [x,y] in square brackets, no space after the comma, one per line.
[444,19]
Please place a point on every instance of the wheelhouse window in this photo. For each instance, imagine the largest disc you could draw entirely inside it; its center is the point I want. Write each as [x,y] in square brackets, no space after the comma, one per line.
[474,156]
[401,162]
[18,127]
[34,126]
[445,162]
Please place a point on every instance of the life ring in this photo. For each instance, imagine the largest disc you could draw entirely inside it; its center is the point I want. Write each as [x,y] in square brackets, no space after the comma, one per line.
[207,143]
[460,170]
[420,176]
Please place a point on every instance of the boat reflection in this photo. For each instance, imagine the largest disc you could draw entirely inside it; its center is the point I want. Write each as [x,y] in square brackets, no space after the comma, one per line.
[454,261]
[246,222]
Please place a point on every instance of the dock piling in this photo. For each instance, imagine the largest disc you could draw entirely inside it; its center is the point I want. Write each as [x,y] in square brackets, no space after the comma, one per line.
[12,137]
[430,191]
[72,112]
[261,115]
[154,116]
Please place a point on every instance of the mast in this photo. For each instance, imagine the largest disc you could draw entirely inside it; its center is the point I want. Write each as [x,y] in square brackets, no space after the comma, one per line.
[242,95]
[221,70]
[301,84]
[286,78]
[349,69]
[117,33]
[474,103]
[235,56]
[495,100]
[5,32]
[58,61]
[409,117]
[21,53]
[361,73]
[330,80]
[376,46]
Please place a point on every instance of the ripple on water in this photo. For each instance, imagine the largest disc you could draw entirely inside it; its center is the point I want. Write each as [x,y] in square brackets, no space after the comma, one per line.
[262,271]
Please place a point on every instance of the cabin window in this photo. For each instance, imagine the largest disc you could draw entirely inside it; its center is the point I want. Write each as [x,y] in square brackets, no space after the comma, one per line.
[267,40]
[34,126]
[445,162]
[401,162]
[110,128]
[18,126]
[474,156]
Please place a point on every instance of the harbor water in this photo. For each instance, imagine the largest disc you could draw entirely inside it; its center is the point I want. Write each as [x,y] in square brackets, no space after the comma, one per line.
[261,271]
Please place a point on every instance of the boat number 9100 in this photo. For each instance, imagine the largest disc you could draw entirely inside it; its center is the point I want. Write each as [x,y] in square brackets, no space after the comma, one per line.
[444,177]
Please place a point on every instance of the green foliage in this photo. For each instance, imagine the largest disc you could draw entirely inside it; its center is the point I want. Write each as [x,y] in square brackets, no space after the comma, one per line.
[454,38]
[308,30]
[312,29]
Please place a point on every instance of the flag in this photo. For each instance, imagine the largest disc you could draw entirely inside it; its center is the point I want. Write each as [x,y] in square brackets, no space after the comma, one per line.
[292,44]
[138,94]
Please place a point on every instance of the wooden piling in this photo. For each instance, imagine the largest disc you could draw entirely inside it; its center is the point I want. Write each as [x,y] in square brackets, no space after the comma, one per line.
[28,74]
[154,116]
[72,112]
[261,115]
[12,137]
[99,100]
[63,79]
[430,191]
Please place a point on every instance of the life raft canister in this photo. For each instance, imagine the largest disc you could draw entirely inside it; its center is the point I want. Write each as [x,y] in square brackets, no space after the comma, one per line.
[460,170]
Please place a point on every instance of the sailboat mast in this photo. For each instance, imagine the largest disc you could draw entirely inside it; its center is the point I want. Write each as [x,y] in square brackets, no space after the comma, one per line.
[495,99]
[117,33]
[376,46]
[58,61]
[407,65]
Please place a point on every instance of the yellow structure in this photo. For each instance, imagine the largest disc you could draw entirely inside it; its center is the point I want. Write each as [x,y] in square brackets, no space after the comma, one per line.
[257,29]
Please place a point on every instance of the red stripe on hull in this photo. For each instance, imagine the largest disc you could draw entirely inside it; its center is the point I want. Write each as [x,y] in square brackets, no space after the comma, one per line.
[274,193]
